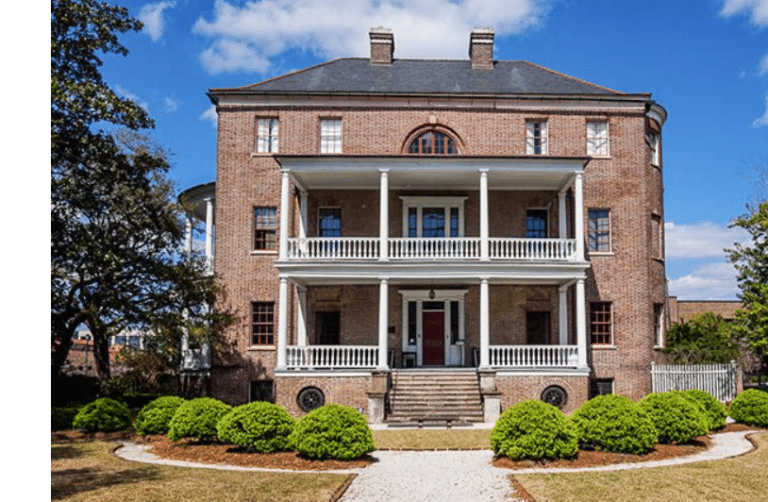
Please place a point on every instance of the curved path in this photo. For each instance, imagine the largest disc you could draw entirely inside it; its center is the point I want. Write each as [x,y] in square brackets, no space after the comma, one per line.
[426,476]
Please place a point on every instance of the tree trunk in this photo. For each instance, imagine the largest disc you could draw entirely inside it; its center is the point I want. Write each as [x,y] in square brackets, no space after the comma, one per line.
[100,351]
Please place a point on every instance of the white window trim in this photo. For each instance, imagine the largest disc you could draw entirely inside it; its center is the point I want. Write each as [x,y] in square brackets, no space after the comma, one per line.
[420,203]
[654,142]
[661,329]
[441,295]
[273,139]
[336,140]
[610,232]
[607,139]
[544,136]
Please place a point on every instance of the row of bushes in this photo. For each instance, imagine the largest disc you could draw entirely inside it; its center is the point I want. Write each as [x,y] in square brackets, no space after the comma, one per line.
[536,430]
[331,431]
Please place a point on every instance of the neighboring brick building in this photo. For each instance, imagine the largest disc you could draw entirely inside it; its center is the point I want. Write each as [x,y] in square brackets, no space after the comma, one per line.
[685,310]
[478,217]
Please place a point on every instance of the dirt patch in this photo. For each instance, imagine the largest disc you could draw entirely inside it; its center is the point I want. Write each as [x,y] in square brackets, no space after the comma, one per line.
[736,427]
[588,458]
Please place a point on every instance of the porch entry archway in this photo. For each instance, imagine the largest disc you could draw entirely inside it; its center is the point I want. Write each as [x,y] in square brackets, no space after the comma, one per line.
[433,326]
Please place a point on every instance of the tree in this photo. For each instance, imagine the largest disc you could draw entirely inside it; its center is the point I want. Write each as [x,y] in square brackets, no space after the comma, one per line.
[751,262]
[707,338]
[116,231]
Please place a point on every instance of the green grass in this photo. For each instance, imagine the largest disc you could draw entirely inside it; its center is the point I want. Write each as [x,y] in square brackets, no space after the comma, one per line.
[732,480]
[90,472]
[432,439]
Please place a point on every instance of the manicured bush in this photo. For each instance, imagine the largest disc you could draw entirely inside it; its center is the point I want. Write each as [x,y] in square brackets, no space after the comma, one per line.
[155,417]
[259,426]
[197,419]
[751,408]
[676,419]
[103,415]
[61,417]
[533,429]
[332,431]
[614,423]
[714,410]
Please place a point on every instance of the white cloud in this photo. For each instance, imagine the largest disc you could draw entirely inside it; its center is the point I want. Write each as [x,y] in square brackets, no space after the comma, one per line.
[170,104]
[756,9]
[210,115]
[247,38]
[152,17]
[762,121]
[703,240]
[125,93]
[711,281]
[762,68]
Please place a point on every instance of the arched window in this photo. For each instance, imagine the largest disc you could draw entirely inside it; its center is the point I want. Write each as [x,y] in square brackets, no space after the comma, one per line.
[433,143]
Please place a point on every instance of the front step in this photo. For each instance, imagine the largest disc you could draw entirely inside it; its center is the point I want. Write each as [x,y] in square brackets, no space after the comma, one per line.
[443,398]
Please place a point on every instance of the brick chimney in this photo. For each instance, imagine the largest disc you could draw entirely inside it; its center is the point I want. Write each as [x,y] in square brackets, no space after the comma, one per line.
[481,48]
[382,46]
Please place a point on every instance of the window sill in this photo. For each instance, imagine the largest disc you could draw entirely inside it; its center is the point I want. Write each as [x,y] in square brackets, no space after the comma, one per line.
[599,157]
[660,260]
[601,253]
[261,252]
[263,154]
[255,348]
[603,347]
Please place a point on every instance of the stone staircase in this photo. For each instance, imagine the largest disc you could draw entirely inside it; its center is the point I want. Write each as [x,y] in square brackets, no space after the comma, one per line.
[439,397]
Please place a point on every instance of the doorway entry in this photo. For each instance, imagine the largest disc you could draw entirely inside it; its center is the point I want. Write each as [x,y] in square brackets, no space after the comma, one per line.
[433,327]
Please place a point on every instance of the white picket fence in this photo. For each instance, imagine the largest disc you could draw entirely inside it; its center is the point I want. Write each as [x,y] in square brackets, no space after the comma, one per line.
[720,380]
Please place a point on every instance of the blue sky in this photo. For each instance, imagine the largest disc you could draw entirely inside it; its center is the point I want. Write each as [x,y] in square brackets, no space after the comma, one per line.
[705,61]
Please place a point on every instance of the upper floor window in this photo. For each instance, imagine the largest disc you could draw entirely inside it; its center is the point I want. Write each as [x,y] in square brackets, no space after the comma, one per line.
[330,136]
[265,228]
[266,136]
[329,222]
[657,240]
[433,143]
[433,216]
[600,323]
[597,138]
[536,224]
[599,238]
[262,323]
[536,137]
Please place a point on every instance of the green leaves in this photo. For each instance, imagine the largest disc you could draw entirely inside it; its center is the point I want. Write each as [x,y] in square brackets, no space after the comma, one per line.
[533,429]
[707,338]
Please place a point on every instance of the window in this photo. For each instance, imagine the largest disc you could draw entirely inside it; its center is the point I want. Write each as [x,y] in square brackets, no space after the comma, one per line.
[266,136]
[600,323]
[328,328]
[597,138]
[433,216]
[433,143]
[658,322]
[263,323]
[536,137]
[265,228]
[537,328]
[656,239]
[536,224]
[262,390]
[600,387]
[599,238]
[330,136]
[329,222]
[654,145]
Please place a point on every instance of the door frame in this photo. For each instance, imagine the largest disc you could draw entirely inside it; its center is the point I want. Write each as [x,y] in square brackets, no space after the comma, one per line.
[454,354]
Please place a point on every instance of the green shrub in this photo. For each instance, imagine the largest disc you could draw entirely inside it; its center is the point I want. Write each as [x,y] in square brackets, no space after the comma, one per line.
[104,415]
[197,419]
[533,429]
[714,410]
[614,423]
[155,417]
[751,408]
[676,419]
[259,426]
[332,431]
[61,417]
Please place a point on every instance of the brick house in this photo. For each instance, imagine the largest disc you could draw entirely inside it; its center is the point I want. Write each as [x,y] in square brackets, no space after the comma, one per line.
[437,239]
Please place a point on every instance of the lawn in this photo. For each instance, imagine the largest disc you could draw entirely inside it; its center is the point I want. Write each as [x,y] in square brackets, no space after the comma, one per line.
[737,479]
[432,439]
[88,471]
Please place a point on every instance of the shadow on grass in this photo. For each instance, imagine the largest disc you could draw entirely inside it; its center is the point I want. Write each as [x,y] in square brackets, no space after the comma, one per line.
[62,452]
[69,482]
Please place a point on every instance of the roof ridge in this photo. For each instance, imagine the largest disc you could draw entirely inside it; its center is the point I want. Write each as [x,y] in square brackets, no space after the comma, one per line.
[550,70]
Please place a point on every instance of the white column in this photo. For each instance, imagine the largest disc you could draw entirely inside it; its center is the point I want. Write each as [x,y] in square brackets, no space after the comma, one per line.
[188,237]
[581,323]
[563,314]
[282,327]
[485,326]
[209,233]
[484,214]
[284,201]
[562,224]
[578,215]
[303,212]
[383,321]
[302,321]
[384,215]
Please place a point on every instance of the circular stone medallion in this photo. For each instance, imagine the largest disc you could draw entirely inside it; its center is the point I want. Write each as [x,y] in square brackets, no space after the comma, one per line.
[310,398]
[555,395]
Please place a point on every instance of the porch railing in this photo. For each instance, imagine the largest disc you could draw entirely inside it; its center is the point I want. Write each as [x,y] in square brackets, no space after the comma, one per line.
[429,248]
[532,249]
[434,248]
[332,356]
[533,356]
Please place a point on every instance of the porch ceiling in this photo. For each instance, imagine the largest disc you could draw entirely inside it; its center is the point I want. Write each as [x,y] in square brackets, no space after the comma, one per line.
[436,173]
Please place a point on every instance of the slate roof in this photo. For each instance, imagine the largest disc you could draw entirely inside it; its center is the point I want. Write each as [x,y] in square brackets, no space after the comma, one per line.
[415,76]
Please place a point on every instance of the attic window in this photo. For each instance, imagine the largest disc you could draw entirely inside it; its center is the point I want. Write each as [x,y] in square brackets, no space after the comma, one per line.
[433,143]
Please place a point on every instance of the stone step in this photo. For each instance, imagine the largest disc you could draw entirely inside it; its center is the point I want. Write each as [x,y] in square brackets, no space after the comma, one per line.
[428,397]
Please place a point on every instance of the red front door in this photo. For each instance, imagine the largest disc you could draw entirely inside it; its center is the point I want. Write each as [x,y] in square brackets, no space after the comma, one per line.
[433,324]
